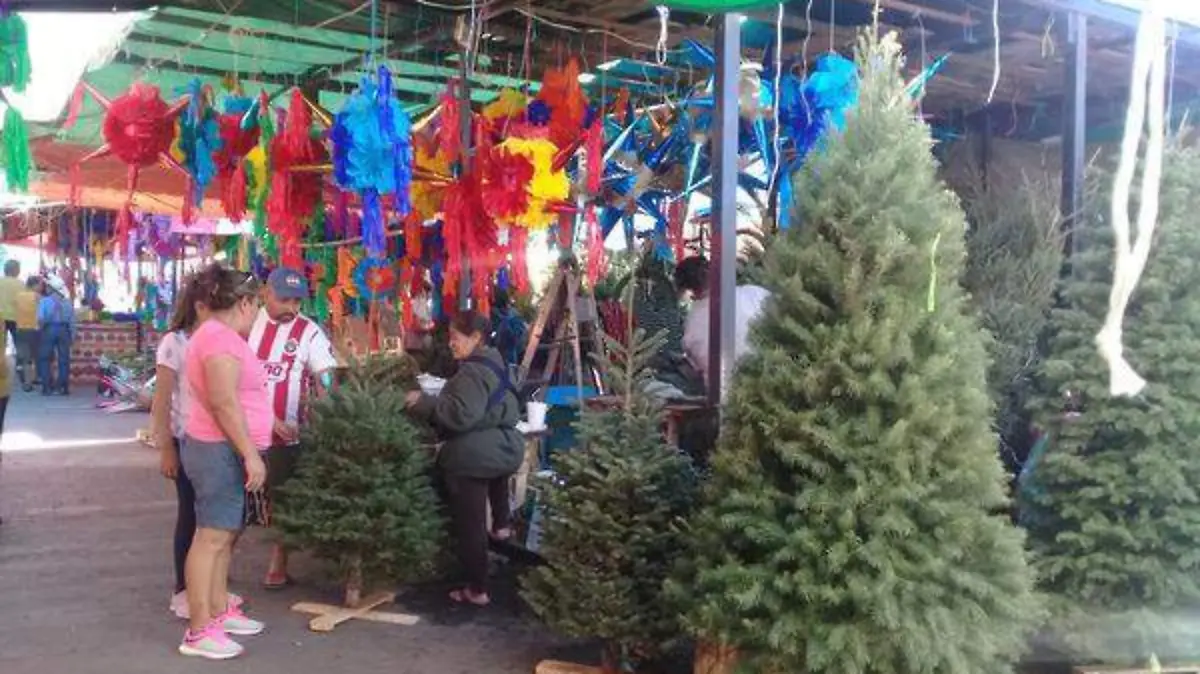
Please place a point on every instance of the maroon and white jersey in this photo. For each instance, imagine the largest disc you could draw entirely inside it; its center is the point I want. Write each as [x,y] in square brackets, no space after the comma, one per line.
[292,354]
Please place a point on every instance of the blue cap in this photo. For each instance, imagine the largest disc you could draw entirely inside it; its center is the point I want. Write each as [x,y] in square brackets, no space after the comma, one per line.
[288,284]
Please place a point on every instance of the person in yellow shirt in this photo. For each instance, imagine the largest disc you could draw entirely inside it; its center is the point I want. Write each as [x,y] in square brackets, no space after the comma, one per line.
[10,287]
[27,331]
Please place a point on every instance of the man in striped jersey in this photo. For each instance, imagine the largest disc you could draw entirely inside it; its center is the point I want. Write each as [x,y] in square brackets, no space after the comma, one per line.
[296,355]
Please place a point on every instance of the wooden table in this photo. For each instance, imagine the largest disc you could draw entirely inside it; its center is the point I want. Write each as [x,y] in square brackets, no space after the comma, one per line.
[674,411]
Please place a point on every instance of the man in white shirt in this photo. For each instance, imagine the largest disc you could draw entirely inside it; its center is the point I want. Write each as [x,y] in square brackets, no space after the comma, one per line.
[296,355]
[691,276]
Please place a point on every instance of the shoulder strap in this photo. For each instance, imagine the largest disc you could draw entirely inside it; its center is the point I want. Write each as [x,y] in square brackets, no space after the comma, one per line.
[505,384]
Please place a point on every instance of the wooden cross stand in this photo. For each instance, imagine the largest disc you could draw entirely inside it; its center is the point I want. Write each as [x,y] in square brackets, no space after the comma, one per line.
[328,616]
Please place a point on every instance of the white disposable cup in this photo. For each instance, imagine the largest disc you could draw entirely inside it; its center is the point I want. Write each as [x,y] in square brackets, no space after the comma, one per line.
[537,414]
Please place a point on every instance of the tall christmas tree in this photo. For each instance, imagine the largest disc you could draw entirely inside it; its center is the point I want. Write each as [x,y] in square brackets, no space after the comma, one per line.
[1113,508]
[854,522]
[612,517]
[363,498]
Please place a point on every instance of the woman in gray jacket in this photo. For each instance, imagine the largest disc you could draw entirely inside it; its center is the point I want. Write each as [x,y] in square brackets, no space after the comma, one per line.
[475,416]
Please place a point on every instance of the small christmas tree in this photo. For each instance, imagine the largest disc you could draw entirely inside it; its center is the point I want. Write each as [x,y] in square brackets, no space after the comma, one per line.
[611,521]
[1014,258]
[1113,508]
[854,520]
[363,497]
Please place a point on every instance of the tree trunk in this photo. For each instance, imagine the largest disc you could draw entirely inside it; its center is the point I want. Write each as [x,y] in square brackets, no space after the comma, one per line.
[611,661]
[714,658]
[354,582]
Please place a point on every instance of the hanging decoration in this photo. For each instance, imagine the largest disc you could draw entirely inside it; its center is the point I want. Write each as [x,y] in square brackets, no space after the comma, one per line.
[375,279]
[508,106]
[18,161]
[1146,115]
[15,70]
[199,140]
[431,175]
[373,155]
[297,160]
[566,106]
[231,158]
[548,186]
[597,256]
[506,179]
[138,129]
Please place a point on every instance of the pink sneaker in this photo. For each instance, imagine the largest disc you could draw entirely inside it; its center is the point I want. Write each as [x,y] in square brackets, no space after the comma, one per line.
[235,622]
[211,643]
[179,604]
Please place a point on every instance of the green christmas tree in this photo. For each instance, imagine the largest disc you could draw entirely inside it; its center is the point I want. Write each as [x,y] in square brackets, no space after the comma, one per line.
[611,526]
[1113,508]
[363,498]
[854,522]
[1014,258]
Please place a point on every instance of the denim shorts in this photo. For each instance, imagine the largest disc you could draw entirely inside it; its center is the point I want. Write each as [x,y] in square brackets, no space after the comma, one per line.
[219,480]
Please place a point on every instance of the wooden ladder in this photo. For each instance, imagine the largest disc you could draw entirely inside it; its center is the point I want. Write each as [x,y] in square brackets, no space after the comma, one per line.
[575,318]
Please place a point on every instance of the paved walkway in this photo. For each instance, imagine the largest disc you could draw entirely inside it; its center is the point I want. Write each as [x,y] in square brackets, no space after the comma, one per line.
[85,573]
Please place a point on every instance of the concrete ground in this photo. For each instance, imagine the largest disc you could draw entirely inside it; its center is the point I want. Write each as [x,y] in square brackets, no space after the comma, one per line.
[85,573]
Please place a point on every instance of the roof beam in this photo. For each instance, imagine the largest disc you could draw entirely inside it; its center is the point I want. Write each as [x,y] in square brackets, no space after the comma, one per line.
[1098,9]
[80,5]
[319,75]
[916,9]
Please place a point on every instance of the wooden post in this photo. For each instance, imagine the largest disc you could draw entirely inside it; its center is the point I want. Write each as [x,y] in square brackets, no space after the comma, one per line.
[354,584]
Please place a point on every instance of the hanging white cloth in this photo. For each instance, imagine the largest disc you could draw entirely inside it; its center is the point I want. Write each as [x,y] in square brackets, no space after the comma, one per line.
[1146,111]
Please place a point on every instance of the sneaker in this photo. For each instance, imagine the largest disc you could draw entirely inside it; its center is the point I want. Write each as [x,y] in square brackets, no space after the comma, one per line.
[235,622]
[179,604]
[211,643]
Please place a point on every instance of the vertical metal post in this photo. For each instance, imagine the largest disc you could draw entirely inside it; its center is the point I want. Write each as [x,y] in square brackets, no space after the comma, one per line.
[1074,143]
[465,120]
[722,285]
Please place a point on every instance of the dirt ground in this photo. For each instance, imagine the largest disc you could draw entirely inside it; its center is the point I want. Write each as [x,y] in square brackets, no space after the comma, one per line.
[85,573]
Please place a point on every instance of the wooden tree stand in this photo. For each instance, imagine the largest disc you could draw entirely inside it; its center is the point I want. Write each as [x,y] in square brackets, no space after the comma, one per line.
[558,667]
[711,658]
[1170,669]
[355,608]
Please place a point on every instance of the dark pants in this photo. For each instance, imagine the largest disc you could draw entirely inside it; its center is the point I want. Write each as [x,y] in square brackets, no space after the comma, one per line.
[27,355]
[185,522]
[55,342]
[468,499]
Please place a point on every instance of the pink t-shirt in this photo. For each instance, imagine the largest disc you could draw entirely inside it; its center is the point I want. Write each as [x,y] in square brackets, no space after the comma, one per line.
[214,338]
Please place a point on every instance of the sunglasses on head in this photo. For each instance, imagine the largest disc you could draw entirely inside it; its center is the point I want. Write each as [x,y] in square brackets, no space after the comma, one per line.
[247,285]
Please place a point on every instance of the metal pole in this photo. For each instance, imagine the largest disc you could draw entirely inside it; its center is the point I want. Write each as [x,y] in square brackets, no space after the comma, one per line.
[1074,143]
[722,285]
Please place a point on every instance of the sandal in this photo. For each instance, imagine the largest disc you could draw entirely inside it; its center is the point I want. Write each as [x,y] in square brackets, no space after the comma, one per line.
[465,596]
[277,581]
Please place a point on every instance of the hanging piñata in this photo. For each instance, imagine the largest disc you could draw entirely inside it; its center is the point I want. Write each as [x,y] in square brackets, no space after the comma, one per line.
[15,70]
[230,159]
[563,96]
[199,139]
[431,176]
[549,186]
[372,154]
[375,278]
[297,161]
[138,129]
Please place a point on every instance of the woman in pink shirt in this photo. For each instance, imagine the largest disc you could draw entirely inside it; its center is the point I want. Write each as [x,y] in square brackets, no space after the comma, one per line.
[227,423]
